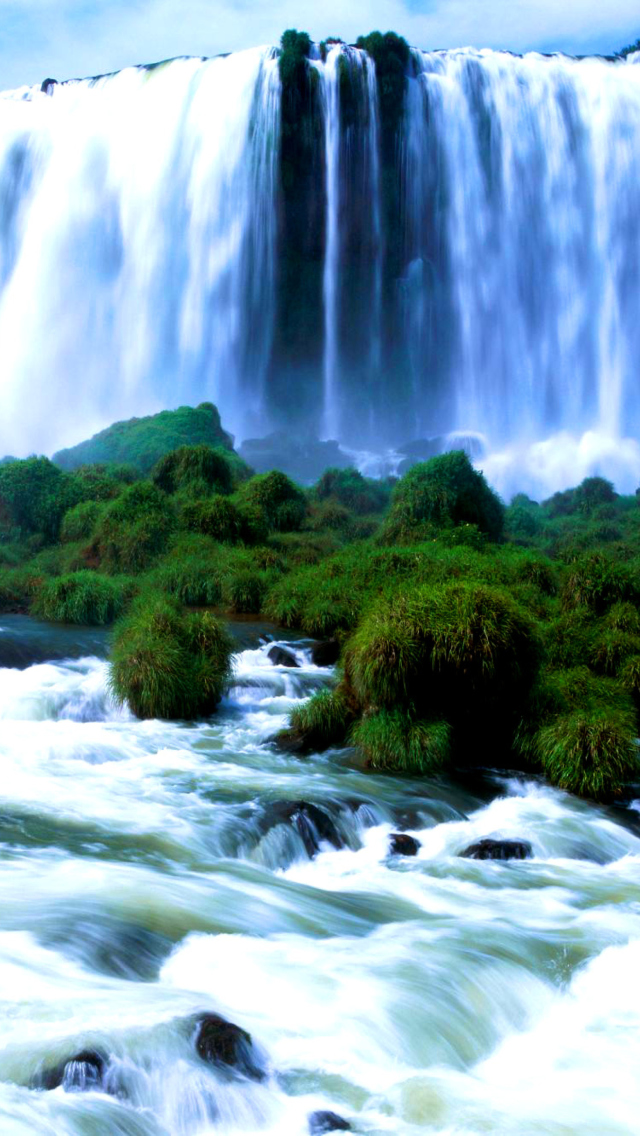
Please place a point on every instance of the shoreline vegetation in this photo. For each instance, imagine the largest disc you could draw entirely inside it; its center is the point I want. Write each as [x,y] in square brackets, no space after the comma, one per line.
[469,632]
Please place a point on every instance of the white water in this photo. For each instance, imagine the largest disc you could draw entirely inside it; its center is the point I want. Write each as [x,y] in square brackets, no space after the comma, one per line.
[143,879]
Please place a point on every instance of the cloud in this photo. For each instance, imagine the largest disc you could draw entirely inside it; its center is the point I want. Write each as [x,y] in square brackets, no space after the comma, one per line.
[66,38]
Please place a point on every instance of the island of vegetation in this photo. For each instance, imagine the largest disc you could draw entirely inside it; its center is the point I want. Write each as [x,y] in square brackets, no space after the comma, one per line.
[469,633]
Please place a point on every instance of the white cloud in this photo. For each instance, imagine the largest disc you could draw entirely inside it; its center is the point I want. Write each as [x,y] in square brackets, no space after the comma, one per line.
[66,38]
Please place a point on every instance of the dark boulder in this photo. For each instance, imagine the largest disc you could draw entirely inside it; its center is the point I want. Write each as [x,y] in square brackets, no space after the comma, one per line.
[48,85]
[303,458]
[401,844]
[281,657]
[324,1121]
[325,653]
[488,849]
[80,1073]
[312,823]
[226,1045]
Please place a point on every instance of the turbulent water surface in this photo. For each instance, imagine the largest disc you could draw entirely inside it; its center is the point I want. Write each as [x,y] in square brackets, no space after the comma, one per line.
[149,873]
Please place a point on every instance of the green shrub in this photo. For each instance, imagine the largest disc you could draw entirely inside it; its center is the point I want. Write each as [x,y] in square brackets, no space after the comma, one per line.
[200,466]
[82,597]
[295,47]
[166,664]
[275,499]
[591,752]
[321,722]
[392,739]
[216,517]
[34,496]
[444,492]
[597,582]
[358,494]
[79,522]
[134,529]
[390,53]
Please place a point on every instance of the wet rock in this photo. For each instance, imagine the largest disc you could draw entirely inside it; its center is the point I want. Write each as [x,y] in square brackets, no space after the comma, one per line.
[325,1121]
[401,844]
[326,653]
[303,458]
[281,657]
[488,849]
[312,823]
[48,86]
[224,1044]
[80,1073]
[421,449]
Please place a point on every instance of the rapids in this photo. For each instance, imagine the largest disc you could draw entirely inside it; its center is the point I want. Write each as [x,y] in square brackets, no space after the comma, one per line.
[148,875]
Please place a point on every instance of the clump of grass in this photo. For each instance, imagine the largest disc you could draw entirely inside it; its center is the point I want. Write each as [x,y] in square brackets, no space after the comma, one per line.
[320,723]
[443,493]
[213,469]
[216,517]
[394,740]
[597,581]
[134,529]
[273,500]
[592,752]
[357,494]
[166,664]
[80,522]
[83,598]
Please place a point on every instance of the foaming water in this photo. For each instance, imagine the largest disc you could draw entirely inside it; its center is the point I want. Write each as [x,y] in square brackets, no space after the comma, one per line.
[154,871]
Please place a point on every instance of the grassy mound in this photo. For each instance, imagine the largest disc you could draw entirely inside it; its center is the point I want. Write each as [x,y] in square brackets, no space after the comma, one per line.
[444,492]
[82,597]
[166,664]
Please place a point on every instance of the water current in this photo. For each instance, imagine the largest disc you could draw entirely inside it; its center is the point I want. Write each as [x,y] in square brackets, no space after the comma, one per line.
[152,872]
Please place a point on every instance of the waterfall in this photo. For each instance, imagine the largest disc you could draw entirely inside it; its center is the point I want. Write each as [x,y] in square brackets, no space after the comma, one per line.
[479,276]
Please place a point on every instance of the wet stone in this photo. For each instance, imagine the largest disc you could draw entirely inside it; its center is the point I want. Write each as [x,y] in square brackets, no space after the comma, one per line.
[81,1073]
[401,844]
[222,1043]
[281,657]
[325,653]
[498,850]
[312,823]
[325,1121]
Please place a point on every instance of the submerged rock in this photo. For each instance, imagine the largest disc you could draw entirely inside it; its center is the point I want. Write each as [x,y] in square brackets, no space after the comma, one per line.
[281,657]
[312,823]
[325,1121]
[325,653]
[401,844]
[488,849]
[81,1073]
[222,1043]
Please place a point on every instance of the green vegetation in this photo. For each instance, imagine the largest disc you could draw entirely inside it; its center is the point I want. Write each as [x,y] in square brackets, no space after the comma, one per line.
[141,442]
[629,49]
[468,631]
[166,664]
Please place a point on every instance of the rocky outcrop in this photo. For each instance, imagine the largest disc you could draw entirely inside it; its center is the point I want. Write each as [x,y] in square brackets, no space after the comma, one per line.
[489,849]
[401,844]
[228,1046]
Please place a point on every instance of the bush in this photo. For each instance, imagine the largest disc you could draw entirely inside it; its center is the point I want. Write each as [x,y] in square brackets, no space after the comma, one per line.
[82,597]
[591,752]
[392,739]
[361,495]
[443,492]
[214,469]
[273,499]
[79,523]
[321,722]
[34,496]
[597,582]
[216,517]
[134,529]
[169,665]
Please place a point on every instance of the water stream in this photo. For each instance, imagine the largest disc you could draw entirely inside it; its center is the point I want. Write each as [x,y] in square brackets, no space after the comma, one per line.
[153,871]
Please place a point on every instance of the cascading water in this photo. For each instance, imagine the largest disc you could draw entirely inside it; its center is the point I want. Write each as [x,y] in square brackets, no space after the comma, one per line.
[478,276]
[152,872]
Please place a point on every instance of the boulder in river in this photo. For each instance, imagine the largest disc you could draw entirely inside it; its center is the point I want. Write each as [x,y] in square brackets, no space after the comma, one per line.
[313,824]
[282,657]
[401,844]
[224,1044]
[326,653]
[488,849]
[325,1121]
[80,1073]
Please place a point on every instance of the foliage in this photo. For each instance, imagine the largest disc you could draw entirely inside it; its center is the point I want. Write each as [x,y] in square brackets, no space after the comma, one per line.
[34,495]
[80,522]
[443,492]
[390,53]
[393,739]
[134,529]
[217,517]
[214,469]
[82,597]
[591,752]
[273,500]
[358,494]
[143,441]
[321,722]
[166,664]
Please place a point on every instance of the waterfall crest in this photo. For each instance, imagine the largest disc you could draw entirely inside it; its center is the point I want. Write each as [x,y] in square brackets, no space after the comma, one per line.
[481,277]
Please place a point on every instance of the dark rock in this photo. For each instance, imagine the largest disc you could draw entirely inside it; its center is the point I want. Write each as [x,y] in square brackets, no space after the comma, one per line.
[224,1044]
[281,657]
[304,459]
[81,1073]
[323,1121]
[48,85]
[325,653]
[488,849]
[401,844]
[421,449]
[312,823]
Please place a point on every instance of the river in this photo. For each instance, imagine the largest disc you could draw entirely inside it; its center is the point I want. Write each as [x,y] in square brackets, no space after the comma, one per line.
[151,872]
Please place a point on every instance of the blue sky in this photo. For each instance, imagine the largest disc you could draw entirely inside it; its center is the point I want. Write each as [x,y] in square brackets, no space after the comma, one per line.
[68,38]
